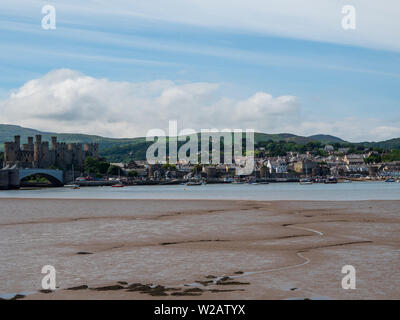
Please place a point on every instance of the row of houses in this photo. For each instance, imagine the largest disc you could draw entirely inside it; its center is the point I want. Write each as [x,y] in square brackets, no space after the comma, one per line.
[294,165]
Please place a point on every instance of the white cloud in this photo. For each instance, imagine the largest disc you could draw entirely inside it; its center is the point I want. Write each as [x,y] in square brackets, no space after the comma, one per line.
[67,101]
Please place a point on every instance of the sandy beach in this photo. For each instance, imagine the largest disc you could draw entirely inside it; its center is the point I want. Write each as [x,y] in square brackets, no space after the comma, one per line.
[199,249]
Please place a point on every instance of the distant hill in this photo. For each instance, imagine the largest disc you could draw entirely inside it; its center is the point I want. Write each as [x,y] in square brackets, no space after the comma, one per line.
[388,144]
[7,133]
[326,138]
[288,137]
[116,150]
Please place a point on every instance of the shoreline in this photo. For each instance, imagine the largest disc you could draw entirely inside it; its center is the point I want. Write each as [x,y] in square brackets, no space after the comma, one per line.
[145,249]
[190,199]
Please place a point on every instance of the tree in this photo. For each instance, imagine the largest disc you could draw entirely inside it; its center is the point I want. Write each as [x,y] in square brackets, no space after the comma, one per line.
[114,171]
[96,166]
[393,155]
[102,167]
[132,174]
[373,158]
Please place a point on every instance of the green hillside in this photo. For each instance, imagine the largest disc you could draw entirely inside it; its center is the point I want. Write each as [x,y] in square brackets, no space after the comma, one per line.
[7,133]
[118,150]
[388,144]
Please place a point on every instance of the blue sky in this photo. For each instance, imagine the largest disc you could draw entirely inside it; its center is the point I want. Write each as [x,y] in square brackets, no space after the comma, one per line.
[342,82]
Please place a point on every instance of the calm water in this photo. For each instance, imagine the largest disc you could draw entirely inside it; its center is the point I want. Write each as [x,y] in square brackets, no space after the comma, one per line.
[278,191]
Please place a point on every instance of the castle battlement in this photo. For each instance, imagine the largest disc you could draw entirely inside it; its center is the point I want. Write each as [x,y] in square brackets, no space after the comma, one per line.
[38,154]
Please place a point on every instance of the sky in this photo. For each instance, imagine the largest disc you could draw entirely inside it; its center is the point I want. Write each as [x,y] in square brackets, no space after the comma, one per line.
[121,68]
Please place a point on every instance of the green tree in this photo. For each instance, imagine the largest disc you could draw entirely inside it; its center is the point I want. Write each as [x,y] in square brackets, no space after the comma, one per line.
[114,171]
[373,158]
[393,155]
[96,166]
[132,174]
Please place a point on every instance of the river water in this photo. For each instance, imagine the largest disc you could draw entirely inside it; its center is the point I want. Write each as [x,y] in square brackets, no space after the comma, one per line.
[273,191]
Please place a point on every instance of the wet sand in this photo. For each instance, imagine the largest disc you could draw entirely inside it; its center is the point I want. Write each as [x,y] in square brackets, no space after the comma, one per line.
[200,249]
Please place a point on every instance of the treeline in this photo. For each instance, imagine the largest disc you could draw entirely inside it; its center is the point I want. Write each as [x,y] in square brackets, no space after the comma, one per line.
[282,148]
[269,148]
[383,156]
[126,153]
[100,168]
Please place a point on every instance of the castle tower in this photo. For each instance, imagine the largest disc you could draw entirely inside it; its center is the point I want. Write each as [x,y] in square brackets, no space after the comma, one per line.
[41,155]
[12,151]
[28,146]
[91,150]
[17,140]
[54,143]
[37,150]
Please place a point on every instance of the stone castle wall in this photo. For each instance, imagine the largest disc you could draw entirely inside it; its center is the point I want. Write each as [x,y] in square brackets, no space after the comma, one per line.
[38,154]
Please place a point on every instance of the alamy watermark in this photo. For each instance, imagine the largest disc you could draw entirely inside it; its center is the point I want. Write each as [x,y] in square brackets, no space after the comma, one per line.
[49,280]
[349,280]
[49,19]
[210,147]
[349,20]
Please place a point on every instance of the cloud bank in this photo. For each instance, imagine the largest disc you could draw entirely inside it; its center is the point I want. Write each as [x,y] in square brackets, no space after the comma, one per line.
[67,101]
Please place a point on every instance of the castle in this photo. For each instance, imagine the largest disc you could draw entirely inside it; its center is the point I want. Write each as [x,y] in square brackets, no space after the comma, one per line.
[37,154]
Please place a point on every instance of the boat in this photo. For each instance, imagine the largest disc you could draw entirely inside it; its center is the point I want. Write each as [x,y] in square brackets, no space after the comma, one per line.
[390,180]
[194,183]
[119,185]
[253,182]
[305,182]
[237,182]
[73,186]
[330,180]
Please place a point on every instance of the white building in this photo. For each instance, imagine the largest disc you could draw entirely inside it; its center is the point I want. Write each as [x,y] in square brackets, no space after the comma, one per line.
[278,166]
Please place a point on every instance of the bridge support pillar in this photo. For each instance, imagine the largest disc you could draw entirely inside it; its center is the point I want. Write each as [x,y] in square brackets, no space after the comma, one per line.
[9,179]
[13,179]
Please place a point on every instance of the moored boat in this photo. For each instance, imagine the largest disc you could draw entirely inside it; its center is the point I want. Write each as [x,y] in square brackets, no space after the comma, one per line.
[119,185]
[330,180]
[305,182]
[194,183]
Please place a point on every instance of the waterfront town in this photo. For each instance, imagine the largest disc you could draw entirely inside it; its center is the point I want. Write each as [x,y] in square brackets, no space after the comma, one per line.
[81,165]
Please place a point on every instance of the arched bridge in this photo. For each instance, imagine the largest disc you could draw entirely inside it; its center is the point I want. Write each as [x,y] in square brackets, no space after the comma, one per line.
[54,176]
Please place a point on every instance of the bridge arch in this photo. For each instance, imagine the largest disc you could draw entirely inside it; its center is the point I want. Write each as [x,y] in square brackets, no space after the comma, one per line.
[54,176]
